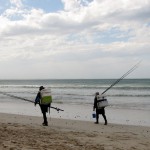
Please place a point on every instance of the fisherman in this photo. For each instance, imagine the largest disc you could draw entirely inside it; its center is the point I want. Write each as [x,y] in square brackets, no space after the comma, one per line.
[99,110]
[44,99]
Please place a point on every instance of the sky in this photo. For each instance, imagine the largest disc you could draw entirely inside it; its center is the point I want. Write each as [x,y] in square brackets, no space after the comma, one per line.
[74,39]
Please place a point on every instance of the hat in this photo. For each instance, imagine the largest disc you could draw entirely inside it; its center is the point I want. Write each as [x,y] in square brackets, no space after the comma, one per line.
[41,88]
[97,93]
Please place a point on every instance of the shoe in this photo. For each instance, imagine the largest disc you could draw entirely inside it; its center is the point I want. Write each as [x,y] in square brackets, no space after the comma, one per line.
[96,123]
[45,124]
[105,123]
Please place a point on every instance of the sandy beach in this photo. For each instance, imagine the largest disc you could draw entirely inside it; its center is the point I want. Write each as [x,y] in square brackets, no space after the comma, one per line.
[20,132]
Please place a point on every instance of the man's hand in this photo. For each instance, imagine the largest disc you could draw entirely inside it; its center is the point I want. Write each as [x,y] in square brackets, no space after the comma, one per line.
[35,104]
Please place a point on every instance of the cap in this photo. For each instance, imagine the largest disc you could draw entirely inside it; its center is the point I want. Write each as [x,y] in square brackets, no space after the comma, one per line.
[97,93]
[41,88]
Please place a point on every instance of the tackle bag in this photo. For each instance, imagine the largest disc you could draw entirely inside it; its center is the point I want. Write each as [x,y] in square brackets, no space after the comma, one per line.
[101,102]
[46,97]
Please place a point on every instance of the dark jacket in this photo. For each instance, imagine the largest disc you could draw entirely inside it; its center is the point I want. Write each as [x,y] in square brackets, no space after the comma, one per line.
[37,99]
[95,102]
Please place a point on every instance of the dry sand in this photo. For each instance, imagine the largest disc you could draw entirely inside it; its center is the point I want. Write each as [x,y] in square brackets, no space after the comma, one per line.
[26,133]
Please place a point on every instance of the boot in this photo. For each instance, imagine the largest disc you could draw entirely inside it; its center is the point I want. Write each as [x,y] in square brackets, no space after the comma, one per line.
[45,124]
[105,122]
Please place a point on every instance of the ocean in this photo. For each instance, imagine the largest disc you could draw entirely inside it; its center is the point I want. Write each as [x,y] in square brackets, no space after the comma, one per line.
[128,94]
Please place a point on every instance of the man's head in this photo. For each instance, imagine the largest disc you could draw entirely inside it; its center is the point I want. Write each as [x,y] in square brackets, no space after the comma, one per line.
[41,88]
[97,93]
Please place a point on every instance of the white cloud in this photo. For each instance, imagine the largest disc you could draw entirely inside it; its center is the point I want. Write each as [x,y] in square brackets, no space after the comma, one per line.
[96,33]
[71,4]
[17,3]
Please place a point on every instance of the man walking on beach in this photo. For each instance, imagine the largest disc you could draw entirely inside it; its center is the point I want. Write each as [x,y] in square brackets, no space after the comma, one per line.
[44,99]
[99,110]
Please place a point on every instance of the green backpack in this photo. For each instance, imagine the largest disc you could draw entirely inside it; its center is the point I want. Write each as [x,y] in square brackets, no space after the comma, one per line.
[46,97]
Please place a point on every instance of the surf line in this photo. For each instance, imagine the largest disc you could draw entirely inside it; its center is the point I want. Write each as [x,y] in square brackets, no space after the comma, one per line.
[118,80]
[24,99]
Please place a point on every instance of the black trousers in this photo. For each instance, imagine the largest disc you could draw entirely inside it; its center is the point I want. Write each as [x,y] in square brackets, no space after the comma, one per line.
[44,110]
[102,112]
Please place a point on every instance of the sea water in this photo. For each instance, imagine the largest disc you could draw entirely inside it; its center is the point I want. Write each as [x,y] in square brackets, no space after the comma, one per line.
[129,95]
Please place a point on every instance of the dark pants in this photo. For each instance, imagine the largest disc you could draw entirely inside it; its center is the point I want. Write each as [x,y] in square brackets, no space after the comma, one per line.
[102,112]
[44,110]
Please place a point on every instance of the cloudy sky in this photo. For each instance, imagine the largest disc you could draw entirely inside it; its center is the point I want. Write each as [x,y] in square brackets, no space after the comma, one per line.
[74,38]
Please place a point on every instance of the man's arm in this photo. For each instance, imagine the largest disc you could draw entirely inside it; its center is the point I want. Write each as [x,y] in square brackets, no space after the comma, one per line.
[37,99]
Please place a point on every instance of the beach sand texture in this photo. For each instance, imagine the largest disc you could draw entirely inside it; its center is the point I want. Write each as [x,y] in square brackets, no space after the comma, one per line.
[19,132]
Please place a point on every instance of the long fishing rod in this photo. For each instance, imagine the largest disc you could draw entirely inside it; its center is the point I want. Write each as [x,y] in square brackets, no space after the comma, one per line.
[14,96]
[118,80]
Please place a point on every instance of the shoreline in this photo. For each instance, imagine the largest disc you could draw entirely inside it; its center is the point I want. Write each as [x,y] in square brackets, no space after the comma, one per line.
[27,119]
[81,112]
[26,132]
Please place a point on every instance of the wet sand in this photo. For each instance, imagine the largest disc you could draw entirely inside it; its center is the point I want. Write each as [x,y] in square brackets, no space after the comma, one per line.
[20,132]
[81,112]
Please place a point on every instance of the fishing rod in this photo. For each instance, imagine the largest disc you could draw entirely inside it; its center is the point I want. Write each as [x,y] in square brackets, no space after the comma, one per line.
[118,80]
[14,96]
